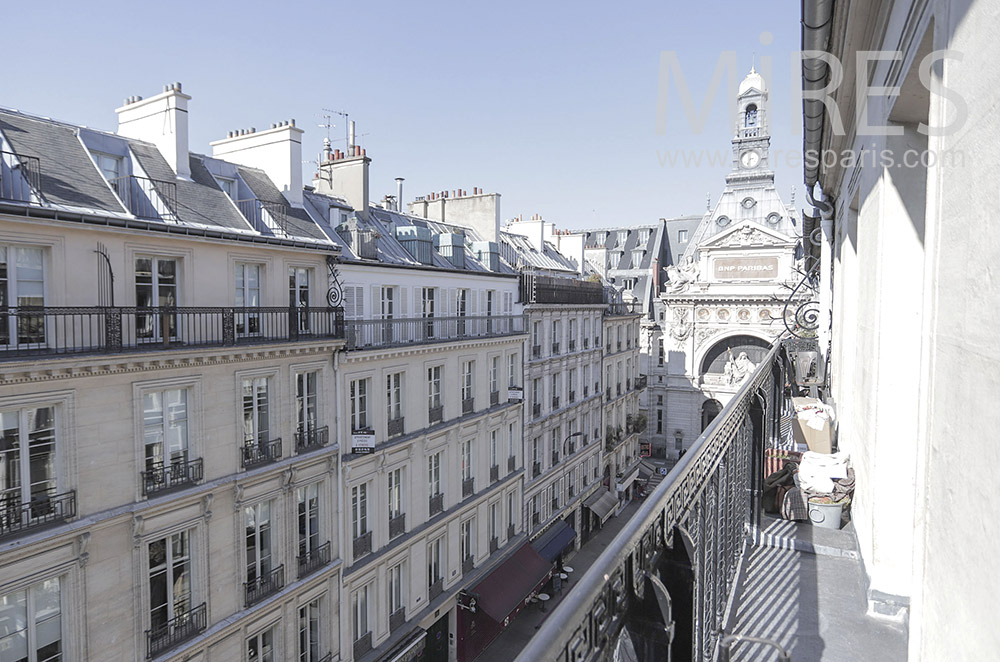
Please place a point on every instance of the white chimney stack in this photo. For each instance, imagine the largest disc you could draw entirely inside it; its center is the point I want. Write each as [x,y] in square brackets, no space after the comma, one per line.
[277,151]
[163,121]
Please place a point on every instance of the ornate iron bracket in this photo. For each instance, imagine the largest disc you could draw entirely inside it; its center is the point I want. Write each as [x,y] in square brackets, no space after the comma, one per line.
[335,290]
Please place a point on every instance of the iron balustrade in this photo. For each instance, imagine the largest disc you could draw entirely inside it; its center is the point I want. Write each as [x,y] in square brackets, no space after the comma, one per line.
[510,531]
[397,525]
[311,439]
[468,405]
[264,217]
[494,398]
[363,645]
[468,487]
[436,504]
[394,427]
[20,177]
[266,584]
[494,473]
[536,469]
[555,348]
[163,476]
[45,507]
[373,334]
[435,414]
[511,463]
[397,618]
[572,345]
[536,351]
[435,589]
[41,331]
[468,564]
[494,544]
[176,631]
[256,453]
[664,581]
[311,560]
[640,382]
[147,198]
[536,410]
[555,402]
[363,544]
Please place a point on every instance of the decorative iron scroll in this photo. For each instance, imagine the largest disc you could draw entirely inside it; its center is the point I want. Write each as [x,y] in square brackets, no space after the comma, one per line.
[688,536]
[335,291]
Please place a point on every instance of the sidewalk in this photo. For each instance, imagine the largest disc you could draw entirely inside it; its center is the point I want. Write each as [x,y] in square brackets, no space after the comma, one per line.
[510,642]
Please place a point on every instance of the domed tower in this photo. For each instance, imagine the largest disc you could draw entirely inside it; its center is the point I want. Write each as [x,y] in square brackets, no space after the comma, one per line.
[752,140]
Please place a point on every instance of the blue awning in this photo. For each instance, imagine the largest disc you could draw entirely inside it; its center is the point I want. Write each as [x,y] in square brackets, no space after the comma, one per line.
[550,544]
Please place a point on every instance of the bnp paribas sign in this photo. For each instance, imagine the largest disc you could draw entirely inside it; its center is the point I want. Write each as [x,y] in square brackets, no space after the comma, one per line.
[746,268]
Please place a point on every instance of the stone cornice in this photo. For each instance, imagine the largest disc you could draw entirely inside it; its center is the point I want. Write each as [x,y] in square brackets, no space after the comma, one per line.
[47,369]
[416,349]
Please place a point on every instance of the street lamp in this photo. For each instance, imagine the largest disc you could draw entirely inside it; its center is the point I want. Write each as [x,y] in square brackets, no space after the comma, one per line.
[566,440]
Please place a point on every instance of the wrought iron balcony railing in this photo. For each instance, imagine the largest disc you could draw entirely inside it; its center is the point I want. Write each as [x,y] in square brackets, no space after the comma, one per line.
[511,463]
[435,414]
[468,564]
[394,427]
[363,544]
[20,177]
[468,487]
[363,645]
[494,544]
[44,508]
[177,630]
[681,548]
[494,398]
[163,476]
[510,531]
[435,504]
[640,382]
[266,584]
[311,560]
[373,334]
[397,525]
[536,410]
[468,405]
[37,332]
[147,198]
[435,589]
[397,618]
[494,473]
[536,469]
[264,217]
[311,439]
[256,453]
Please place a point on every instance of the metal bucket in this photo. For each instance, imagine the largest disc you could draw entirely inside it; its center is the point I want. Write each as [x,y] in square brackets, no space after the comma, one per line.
[826,515]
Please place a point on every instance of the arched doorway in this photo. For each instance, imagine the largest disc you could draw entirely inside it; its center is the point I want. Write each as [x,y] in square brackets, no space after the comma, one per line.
[715,359]
[709,410]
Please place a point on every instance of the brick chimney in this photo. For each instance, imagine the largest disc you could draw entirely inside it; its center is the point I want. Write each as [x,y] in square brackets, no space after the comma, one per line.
[277,151]
[346,176]
[161,120]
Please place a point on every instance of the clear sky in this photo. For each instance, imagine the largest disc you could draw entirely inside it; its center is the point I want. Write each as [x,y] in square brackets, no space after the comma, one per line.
[554,105]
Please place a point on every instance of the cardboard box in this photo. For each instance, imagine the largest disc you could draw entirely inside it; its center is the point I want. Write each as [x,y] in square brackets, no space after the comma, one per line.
[818,441]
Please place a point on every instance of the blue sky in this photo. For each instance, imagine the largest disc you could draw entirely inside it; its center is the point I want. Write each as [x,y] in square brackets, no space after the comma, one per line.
[554,105]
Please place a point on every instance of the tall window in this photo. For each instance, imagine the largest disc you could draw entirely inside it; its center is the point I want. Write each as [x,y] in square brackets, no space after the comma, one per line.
[493,449]
[511,513]
[495,374]
[395,585]
[536,391]
[644,236]
[256,411]
[306,416]
[248,298]
[465,535]
[622,236]
[510,440]
[388,313]
[359,404]
[165,429]
[32,627]
[360,609]
[513,370]
[427,309]
[434,474]
[751,116]
[257,520]
[110,166]
[394,396]
[298,294]
[155,287]
[395,493]
[535,449]
[467,383]
[586,332]
[494,521]
[614,259]
[572,332]
[556,336]
[536,334]
[636,262]
[434,562]
[461,309]
[434,387]
[359,510]
[22,284]
[260,647]
[309,632]
[169,578]
[572,381]
[27,457]
[467,459]
[490,310]
[308,518]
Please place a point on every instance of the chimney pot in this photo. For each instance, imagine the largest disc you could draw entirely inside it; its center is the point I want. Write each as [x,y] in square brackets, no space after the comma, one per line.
[177,86]
[362,151]
[293,121]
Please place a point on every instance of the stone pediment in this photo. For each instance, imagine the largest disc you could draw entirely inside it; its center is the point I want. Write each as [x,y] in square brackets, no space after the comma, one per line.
[749,235]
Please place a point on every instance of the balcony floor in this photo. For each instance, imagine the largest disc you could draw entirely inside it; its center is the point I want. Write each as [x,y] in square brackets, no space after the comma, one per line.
[803,587]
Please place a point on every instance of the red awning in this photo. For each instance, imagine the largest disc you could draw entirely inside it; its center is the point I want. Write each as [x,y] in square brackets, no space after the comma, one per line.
[503,590]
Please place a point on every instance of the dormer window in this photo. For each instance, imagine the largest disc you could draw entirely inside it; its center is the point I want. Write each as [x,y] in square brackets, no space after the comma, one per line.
[228,186]
[644,236]
[622,236]
[602,238]
[751,116]
[614,259]
[110,166]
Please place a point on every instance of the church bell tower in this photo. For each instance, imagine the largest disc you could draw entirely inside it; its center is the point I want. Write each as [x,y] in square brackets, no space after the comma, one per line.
[752,141]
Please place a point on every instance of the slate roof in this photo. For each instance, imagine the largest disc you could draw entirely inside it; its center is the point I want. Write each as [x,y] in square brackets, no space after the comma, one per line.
[68,175]
[297,222]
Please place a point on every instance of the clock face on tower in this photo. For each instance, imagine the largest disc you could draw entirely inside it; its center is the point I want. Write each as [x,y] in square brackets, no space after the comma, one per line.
[750,159]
